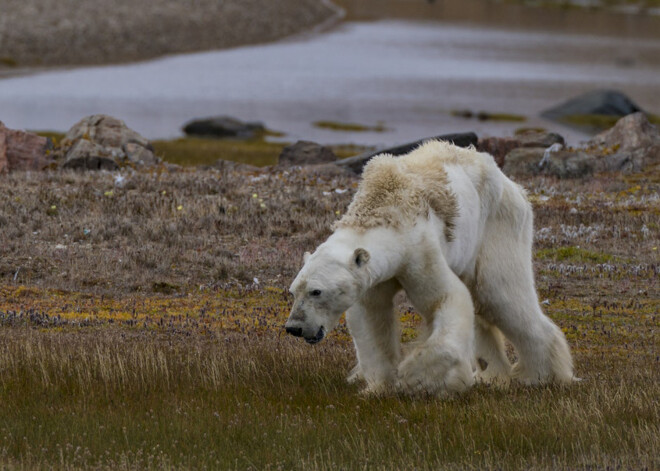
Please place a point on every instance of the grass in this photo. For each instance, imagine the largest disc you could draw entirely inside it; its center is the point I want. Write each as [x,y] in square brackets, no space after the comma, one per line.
[201,151]
[154,339]
[573,254]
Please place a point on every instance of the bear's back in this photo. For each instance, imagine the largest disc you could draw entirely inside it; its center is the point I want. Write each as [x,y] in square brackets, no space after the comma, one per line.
[394,191]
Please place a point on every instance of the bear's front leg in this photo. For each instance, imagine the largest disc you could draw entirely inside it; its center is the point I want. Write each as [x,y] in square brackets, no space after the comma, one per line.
[373,326]
[443,362]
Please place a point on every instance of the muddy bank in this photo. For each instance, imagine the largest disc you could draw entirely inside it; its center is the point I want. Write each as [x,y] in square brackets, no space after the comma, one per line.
[70,32]
[513,15]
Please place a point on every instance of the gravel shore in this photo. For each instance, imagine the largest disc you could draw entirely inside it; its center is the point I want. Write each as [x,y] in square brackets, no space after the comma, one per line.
[71,32]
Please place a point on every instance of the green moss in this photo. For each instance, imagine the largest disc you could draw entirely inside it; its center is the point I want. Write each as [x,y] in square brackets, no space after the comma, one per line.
[205,151]
[573,254]
[349,127]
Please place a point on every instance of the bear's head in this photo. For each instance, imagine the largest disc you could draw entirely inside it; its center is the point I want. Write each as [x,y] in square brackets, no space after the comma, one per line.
[330,282]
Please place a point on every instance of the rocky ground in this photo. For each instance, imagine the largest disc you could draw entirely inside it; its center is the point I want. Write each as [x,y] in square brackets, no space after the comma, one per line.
[69,32]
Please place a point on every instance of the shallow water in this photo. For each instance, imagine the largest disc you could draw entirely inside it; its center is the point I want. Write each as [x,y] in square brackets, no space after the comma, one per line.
[408,75]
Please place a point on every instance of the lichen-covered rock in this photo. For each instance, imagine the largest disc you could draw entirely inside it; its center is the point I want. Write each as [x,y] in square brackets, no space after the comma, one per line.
[631,145]
[103,142]
[87,155]
[20,150]
[306,153]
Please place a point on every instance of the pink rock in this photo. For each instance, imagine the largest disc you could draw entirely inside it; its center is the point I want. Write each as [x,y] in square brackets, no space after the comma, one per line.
[20,150]
[4,164]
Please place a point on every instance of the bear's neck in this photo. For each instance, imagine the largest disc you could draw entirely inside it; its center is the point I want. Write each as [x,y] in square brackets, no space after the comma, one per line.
[383,245]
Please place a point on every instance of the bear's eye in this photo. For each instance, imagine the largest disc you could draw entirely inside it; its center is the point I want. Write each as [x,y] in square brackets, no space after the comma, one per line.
[316,293]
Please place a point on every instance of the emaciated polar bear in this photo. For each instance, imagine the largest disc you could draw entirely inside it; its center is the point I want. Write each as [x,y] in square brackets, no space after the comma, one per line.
[447,226]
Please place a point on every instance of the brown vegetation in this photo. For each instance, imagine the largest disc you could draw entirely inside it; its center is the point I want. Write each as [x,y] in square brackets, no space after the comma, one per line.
[134,335]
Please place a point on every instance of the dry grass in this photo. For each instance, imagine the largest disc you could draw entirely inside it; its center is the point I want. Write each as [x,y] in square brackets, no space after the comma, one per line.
[145,342]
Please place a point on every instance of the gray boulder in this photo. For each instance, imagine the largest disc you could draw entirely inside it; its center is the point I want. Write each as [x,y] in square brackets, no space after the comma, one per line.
[597,102]
[96,141]
[631,145]
[87,155]
[357,163]
[223,127]
[306,153]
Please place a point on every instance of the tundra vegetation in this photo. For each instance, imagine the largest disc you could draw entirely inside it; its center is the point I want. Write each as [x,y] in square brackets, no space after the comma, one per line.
[141,318]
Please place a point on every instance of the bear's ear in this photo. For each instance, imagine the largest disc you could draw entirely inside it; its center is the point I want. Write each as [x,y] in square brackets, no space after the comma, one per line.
[360,257]
[306,257]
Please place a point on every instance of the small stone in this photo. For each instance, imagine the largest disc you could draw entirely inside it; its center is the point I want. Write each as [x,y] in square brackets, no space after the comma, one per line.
[306,153]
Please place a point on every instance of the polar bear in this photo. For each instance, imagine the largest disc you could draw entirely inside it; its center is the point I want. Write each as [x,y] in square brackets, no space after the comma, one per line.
[447,226]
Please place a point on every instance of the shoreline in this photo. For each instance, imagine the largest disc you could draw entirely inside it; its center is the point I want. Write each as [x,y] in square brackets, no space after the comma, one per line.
[72,36]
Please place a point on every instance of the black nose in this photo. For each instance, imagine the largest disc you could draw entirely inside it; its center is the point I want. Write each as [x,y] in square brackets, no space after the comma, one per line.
[295,331]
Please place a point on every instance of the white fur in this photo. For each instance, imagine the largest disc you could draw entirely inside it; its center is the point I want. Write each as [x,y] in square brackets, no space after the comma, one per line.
[484,267]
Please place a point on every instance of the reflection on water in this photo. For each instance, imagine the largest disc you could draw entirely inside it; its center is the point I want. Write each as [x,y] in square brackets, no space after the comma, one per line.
[408,75]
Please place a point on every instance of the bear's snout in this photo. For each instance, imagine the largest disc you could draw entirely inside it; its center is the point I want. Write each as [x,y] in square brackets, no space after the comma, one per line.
[295,331]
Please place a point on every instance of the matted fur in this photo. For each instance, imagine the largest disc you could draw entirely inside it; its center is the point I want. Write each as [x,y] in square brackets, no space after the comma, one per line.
[398,217]
[397,190]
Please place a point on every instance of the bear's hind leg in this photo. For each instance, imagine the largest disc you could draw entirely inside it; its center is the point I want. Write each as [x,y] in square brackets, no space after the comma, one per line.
[507,296]
[376,337]
[492,363]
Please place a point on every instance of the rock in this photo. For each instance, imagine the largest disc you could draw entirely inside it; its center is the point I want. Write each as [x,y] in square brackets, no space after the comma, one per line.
[597,102]
[20,150]
[139,154]
[499,147]
[631,145]
[532,138]
[105,131]
[523,161]
[536,160]
[569,164]
[231,166]
[355,164]
[87,155]
[306,153]
[224,126]
[103,142]
[630,133]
